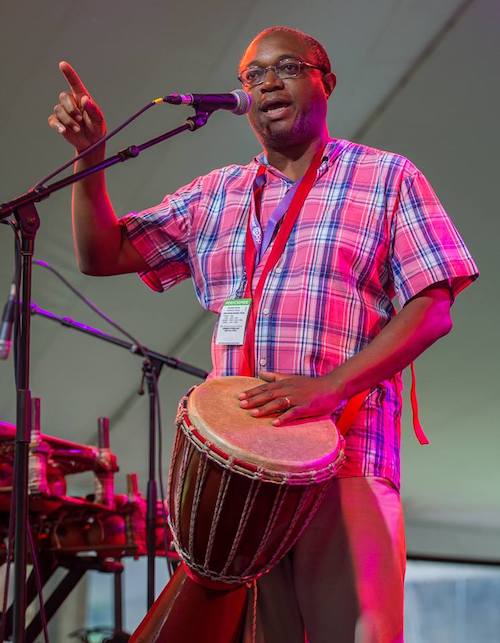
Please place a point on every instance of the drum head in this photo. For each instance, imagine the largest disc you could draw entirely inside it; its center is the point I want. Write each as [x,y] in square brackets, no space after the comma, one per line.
[214,409]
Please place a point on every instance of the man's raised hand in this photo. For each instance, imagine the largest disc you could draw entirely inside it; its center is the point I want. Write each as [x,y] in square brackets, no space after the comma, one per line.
[76,116]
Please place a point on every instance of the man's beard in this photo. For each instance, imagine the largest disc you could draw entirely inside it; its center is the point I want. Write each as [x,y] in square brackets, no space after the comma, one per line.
[299,132]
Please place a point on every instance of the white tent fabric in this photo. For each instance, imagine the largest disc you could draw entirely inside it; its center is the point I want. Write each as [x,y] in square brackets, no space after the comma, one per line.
[416,77]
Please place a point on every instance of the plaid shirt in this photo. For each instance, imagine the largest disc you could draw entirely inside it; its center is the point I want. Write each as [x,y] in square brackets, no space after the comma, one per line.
[371,228]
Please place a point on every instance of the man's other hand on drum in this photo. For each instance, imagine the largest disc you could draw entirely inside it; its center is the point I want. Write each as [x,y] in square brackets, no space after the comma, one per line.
[293,397]
[420,323]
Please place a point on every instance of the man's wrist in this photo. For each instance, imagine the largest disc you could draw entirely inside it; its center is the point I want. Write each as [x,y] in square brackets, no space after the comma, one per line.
[94,183]
[92,158]
[337,384]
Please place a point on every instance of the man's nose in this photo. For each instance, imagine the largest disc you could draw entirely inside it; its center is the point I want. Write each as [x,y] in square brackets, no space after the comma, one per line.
[271,79]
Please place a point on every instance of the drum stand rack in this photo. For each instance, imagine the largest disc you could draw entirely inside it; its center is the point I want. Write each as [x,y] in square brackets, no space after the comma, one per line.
[76,567]
[151,368]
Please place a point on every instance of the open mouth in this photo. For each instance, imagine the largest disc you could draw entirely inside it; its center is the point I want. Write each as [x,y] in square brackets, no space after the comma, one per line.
[274,106]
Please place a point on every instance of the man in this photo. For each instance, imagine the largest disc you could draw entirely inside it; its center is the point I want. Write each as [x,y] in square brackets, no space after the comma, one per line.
[370,227]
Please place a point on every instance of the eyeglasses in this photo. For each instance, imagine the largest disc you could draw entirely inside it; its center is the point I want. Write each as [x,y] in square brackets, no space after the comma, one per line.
[253,76]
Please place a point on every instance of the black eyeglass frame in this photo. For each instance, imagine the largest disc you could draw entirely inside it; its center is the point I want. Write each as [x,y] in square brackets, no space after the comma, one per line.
[301,63]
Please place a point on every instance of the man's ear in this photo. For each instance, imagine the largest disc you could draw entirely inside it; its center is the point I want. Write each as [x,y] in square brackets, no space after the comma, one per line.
[329,82]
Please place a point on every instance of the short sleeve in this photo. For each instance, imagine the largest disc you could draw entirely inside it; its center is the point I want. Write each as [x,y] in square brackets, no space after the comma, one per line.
[161,234]
[426,246]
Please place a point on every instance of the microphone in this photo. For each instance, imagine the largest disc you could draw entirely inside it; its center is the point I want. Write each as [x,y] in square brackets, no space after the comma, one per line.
[7,323]
[237,101]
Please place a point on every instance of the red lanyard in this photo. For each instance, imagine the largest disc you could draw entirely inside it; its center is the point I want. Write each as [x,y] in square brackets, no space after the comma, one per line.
[247,363]
[354,404]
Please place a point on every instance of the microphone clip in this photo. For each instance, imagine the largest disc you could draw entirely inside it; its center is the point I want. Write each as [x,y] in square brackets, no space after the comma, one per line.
[199,118]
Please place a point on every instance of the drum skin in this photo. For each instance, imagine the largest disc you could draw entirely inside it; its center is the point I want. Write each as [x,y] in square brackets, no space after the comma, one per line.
[234,518]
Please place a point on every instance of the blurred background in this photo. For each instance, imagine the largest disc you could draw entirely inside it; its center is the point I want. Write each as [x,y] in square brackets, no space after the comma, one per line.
[415,77]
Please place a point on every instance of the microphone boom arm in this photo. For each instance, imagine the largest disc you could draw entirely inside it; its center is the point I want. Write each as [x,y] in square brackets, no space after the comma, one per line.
[192,123]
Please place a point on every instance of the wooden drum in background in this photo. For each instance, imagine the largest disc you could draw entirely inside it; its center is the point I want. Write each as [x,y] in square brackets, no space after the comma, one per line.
[241,491]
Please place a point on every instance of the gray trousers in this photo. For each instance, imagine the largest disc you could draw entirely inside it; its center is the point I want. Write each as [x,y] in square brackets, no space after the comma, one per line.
[343,581]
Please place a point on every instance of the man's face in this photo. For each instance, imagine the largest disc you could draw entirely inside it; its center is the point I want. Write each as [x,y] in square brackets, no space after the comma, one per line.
[290,111]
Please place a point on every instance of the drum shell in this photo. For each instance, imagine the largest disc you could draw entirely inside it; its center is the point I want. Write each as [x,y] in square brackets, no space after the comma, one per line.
[208,498]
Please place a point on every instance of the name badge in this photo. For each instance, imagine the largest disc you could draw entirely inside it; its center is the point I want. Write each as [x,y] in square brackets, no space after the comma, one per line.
[232,322]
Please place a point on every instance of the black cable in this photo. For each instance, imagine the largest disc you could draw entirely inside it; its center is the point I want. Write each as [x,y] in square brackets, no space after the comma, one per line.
[101,141]
[17,307]
[17,283]
[94,307]
[38,581]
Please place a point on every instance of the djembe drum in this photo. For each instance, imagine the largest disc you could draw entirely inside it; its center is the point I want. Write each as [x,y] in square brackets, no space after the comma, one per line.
[241,492]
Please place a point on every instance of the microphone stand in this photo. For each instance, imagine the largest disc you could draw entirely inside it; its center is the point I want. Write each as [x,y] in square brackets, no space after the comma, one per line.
[171,362]
[151,368]
[24,211]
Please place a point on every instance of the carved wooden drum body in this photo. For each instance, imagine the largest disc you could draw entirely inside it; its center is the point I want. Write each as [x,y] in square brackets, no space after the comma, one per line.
[241,491]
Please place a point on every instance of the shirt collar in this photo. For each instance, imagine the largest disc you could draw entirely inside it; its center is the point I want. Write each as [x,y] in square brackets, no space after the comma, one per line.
[332,149]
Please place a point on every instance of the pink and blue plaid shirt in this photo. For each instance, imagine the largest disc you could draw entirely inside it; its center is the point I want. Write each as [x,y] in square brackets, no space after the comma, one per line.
[371,228]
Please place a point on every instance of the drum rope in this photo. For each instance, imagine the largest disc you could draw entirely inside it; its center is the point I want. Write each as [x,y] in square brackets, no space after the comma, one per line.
[288,541]
[245,515]
[182,477]
[221,496]
[202,571]
[311,476]
[283,550]
[201,475]
[276,508]
[175,454]
[254,590]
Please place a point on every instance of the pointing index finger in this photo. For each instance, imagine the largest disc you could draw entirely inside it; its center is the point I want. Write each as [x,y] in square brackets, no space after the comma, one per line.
[74,80]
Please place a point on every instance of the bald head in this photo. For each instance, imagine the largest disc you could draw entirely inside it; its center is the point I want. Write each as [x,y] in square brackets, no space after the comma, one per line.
[316,50]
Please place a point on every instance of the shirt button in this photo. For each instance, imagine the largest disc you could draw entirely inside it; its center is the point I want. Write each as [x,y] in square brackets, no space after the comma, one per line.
[277,270]
[266,311]
[262,361]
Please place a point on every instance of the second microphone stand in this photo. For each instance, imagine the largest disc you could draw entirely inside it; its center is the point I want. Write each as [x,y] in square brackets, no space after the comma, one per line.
[151,368]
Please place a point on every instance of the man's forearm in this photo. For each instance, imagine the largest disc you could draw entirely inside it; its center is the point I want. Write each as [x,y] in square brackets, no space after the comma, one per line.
[96,232]
[417,326]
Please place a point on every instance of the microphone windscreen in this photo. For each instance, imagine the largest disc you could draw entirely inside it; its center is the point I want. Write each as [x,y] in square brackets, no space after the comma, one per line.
[244,102]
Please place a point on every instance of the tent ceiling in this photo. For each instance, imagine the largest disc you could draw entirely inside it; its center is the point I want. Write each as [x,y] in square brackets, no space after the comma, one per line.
[440,116]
